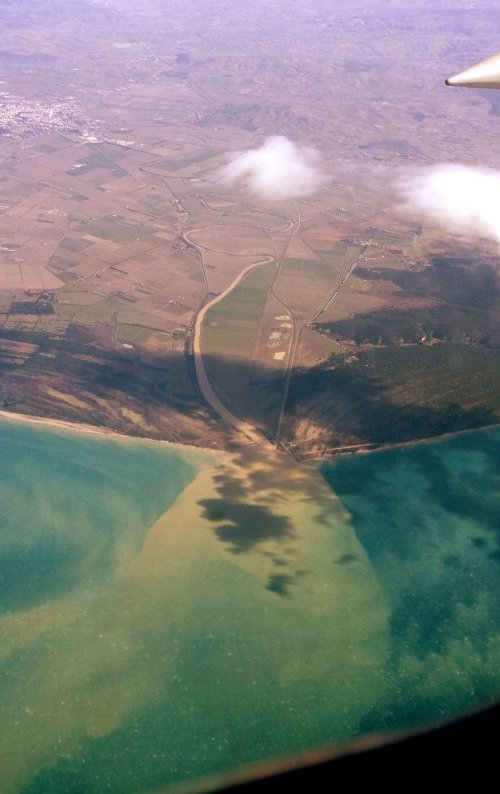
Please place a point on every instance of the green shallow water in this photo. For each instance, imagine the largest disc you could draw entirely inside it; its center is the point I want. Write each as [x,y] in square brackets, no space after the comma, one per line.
[69,501]
[428,516]
[169,613]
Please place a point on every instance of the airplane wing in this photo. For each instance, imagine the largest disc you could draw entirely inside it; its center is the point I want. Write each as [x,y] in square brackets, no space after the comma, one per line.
[485,74]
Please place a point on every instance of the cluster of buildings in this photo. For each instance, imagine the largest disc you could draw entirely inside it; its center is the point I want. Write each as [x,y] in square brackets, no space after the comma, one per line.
[23,118]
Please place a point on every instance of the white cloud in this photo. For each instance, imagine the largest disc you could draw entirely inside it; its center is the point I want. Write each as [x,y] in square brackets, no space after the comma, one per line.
[278,170]
[462,199]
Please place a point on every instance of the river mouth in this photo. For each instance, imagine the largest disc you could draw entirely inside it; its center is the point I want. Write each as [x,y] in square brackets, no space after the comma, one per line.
[227,609]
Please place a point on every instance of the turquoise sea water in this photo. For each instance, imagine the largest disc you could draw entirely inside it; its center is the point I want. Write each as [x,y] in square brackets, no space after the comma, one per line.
[68,501]
[428,516]
[169,613]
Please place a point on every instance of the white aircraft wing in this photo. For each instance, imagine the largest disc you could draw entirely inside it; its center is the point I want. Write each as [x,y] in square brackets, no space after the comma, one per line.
[485,74]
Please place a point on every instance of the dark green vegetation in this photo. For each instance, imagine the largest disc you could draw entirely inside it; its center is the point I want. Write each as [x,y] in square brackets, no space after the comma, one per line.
[426,364]
[177,165]
[31,307]
[249,339]
[102,156]
[429,368]
[465,304]
[398,394]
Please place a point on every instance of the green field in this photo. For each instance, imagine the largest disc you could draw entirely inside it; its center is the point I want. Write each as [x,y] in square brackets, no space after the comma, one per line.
[105,310]
[342,256]
[111,229]
[132,334]
[103,156]
[230,334]
[304,284]
[177,165]
[76,296]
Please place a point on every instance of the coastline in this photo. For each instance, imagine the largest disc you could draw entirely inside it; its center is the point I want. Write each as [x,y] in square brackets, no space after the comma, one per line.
[103,433]
[367,449]
[304,460]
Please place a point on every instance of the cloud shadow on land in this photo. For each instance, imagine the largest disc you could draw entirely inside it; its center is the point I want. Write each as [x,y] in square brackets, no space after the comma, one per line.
[82,377]
[345,403]
[359,410]
[350,403]
[467,287]
[399,389]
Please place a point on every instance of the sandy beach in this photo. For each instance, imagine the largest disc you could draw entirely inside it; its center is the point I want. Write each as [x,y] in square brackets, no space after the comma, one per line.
[103,433]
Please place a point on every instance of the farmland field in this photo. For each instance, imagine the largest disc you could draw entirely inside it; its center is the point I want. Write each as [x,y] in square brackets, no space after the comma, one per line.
[116,227]
[302,285]
[230,335]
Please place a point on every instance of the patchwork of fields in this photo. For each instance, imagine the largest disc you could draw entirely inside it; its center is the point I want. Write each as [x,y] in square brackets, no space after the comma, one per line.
[116,229]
